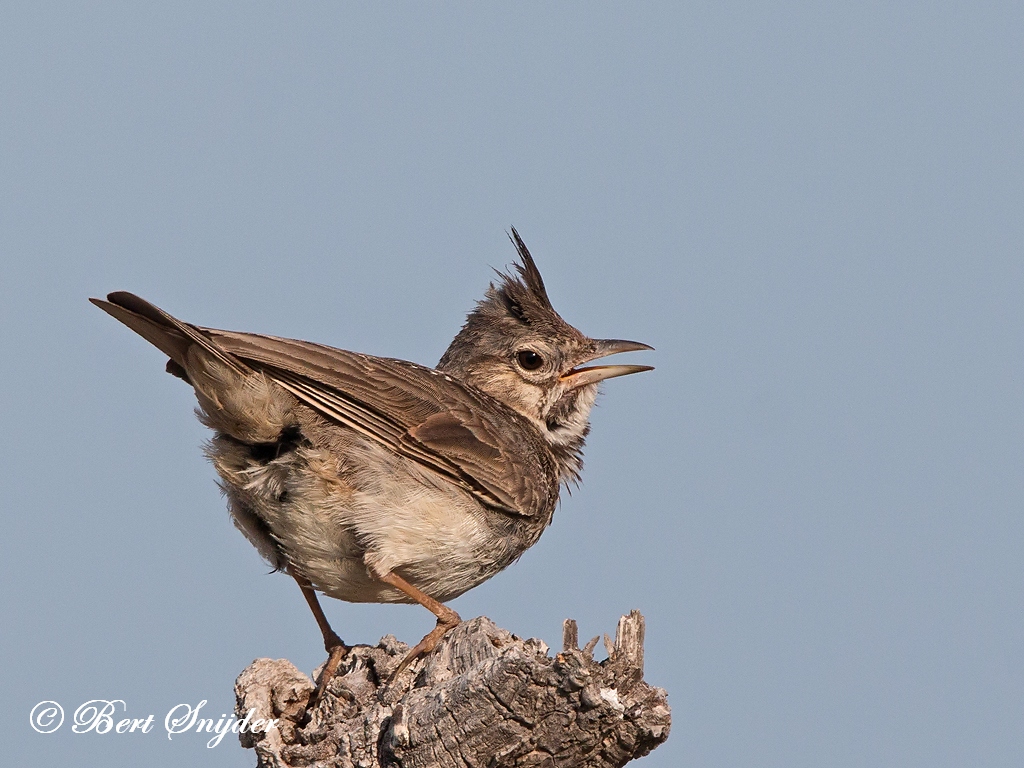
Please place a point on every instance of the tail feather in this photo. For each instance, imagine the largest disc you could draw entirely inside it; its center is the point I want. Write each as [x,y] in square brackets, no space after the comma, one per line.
[234,399]
[165,332]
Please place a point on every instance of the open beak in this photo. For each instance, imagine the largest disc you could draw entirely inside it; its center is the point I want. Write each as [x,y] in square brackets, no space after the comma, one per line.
[580,377]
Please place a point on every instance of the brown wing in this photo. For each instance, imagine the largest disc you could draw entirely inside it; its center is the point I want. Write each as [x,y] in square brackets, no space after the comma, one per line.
[418,412]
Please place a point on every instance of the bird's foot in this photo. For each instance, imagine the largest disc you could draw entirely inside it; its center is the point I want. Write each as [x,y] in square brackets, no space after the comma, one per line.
[337,651]
[445,624]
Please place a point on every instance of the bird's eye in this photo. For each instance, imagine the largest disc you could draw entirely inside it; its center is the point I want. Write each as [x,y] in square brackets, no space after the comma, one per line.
[529,359]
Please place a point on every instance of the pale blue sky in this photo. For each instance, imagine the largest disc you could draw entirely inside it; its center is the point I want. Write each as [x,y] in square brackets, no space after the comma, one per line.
[813,212]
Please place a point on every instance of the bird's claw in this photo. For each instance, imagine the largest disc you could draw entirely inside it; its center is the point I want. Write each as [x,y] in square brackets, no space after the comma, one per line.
[429,642]
[338,652]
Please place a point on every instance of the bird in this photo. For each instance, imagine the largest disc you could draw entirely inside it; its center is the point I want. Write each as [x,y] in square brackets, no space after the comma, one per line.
[373,479]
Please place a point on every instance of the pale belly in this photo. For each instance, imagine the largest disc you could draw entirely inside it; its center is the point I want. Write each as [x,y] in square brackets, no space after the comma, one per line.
[333,516]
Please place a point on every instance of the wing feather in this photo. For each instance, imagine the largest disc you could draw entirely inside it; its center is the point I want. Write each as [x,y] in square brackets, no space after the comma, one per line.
[423,414]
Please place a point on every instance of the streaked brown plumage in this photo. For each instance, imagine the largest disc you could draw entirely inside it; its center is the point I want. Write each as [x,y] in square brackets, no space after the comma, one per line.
[380,480]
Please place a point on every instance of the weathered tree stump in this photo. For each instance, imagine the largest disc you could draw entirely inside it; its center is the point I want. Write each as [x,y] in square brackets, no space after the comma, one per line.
[484,697]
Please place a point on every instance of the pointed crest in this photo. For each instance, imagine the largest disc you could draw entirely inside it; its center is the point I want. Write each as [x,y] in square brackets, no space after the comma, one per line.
[528,270]
[522,291]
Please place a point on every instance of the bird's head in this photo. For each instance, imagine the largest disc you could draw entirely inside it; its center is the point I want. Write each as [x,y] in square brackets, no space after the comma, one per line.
[516,348]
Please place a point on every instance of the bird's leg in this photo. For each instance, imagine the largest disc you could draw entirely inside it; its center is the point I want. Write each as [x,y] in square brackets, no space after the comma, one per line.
[333,644]
[447,619]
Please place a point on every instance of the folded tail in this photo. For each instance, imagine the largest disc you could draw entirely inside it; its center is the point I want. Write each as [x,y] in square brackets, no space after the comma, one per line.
[165,332]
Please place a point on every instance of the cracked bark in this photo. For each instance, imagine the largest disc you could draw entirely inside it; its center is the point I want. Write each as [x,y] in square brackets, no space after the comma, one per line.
[483,698]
